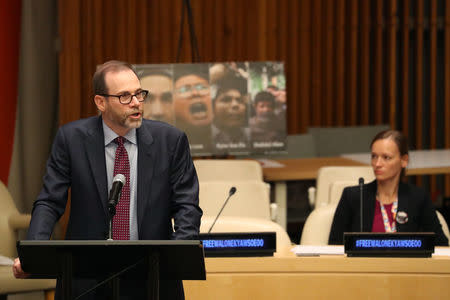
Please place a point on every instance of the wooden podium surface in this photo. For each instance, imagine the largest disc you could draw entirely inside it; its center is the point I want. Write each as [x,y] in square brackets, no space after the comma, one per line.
[324,277]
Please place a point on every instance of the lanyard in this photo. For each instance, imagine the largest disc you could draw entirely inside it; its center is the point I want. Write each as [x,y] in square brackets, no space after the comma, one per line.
[387,225]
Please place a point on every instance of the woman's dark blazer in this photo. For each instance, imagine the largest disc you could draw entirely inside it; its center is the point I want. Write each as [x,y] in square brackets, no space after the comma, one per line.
[411,199]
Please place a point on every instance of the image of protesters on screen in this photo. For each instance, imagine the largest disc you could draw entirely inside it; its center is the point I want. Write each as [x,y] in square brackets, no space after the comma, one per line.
[219,70]
[230,108]
[159,103]
[267,84]
[266,128]
[192,105]
[280,100]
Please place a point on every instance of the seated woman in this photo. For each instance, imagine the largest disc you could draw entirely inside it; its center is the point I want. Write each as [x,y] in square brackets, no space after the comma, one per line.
[389,205]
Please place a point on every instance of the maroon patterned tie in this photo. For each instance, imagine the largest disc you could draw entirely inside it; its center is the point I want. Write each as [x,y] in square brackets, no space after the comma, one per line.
[121,221]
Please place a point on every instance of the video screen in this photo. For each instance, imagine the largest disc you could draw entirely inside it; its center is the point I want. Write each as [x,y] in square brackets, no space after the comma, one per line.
[233,108]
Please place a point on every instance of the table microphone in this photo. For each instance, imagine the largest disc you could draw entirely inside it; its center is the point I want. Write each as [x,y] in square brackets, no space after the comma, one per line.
[230,193]
[115,192]
[361,183]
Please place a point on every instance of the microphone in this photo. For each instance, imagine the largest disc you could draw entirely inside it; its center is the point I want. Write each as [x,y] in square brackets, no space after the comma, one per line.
[361,183]
[230,193]
[115,192]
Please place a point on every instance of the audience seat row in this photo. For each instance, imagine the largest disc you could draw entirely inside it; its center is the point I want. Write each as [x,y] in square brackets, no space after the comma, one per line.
[248,210]
[11,222]
[331,181]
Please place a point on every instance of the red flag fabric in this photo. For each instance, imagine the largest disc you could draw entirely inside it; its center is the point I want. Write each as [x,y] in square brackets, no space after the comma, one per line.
[10,13]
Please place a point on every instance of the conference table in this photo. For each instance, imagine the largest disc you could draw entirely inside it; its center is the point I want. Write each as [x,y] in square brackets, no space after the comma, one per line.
[279,171]
[286,276]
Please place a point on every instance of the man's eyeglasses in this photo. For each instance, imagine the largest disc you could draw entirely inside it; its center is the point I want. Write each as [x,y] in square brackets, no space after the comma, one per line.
[127,97]
[187,90]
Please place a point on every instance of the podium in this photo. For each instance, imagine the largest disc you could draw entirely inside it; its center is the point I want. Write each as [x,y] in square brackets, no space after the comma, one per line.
[93,259]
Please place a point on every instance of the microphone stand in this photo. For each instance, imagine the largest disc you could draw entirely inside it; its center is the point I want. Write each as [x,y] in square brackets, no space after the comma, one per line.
[113,198]
[112,213]
[361,183]
[231,193]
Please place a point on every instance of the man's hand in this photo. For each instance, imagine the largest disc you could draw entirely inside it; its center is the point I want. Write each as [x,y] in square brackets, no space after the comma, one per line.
[17,270]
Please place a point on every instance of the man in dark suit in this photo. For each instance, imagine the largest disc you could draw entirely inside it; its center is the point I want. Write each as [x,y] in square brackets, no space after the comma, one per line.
[161,182]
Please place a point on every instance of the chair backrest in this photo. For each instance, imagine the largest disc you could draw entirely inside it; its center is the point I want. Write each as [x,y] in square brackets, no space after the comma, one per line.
[444,225]
[336,189]
[318,226]
[228,169]
[334,141]
[10,221]
[242,224]
[332,180]
[8,235]
[250,200]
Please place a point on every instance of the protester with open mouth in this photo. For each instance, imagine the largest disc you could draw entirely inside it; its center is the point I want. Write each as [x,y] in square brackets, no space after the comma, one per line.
[192,105]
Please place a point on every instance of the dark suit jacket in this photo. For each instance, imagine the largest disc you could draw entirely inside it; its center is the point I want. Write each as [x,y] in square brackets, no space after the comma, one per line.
[167,185]
[411,199]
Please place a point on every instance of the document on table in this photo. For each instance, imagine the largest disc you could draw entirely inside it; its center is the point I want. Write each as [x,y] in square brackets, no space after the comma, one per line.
[441,251]
[269,163]
[310,250]
[6,261]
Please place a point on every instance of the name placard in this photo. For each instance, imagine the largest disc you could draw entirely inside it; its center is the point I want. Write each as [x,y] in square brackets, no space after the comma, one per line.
[226,244]
[399,244]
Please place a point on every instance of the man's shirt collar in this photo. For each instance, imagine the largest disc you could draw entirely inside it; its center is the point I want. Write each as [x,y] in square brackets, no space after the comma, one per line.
[110,135]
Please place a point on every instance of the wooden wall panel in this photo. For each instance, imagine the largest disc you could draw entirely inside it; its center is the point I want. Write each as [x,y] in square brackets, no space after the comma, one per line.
[432,64]
[297,80]
[221,30]
[155,32]
[348,62]
[70,94]
[241,33]
[378,63]
[404,79]
[271,31]
[419,78]
[340,62]
[391,61]
[301,17]
[447,88]
[432,80]
[419,73]
[352,87]
[364,74]
[282,33]
[329,59]
[317,106]
[87,55]
[142,32]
